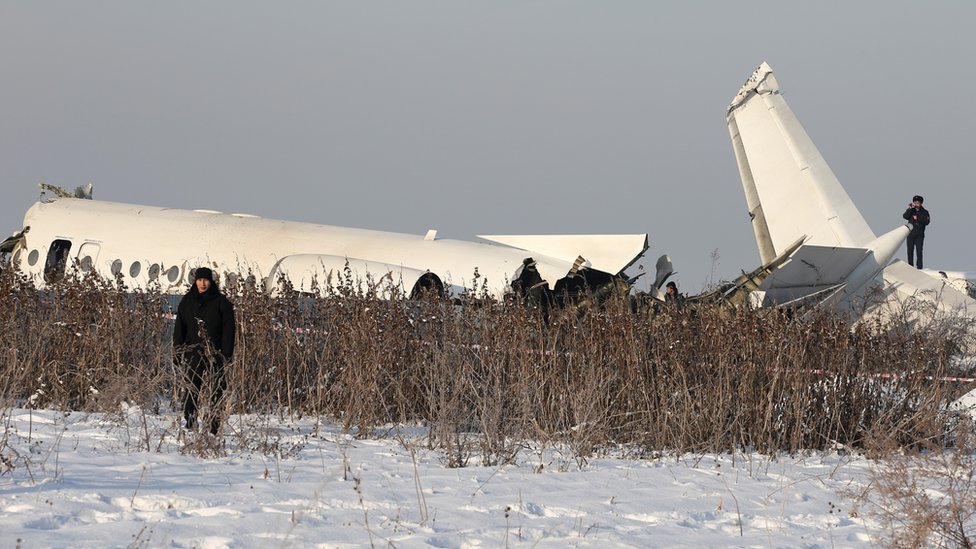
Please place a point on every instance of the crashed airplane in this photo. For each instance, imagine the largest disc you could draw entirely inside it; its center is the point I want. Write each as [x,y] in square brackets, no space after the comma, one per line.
[70,233]
[816,247]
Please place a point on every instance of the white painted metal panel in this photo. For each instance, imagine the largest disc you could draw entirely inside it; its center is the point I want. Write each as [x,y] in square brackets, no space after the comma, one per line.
[798,192]
[816,266]
[234,243]
[909,282]
[313,273]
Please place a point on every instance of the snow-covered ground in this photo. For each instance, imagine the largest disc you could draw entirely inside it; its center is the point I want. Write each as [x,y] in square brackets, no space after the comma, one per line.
[78,480]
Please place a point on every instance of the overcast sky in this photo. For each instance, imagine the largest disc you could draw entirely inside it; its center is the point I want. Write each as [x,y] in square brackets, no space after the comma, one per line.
[490,117]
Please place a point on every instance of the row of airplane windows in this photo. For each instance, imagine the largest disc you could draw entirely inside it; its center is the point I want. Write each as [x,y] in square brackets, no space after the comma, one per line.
[55,266]
[57,260]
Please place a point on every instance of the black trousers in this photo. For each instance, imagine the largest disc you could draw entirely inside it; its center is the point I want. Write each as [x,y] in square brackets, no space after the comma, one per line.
[915,249]
[196,368]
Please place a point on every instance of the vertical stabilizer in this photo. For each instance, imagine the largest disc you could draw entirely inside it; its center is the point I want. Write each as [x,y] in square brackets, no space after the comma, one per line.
[793,195]
[790,190]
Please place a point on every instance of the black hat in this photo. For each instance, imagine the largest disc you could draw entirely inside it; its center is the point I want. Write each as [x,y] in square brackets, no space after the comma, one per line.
[203,272]
[918,198]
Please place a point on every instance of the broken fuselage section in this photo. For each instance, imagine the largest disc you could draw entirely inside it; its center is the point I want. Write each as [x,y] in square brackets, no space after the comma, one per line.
[148,246]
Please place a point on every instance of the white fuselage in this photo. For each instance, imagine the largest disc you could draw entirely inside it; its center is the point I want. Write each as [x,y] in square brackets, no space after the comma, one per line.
[146,244]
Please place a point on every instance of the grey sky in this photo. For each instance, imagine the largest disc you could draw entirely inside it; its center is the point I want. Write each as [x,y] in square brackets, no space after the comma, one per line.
[493,117]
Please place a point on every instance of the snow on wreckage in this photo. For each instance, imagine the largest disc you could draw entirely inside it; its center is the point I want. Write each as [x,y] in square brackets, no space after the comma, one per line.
[146,245]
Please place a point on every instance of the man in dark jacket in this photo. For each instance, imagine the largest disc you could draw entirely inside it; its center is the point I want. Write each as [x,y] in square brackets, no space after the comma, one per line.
[672,297]
[918,218]
[203,341]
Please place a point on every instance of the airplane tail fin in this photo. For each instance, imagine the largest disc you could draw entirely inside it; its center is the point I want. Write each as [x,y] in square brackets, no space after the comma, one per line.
[663,270]
[790,190]
[792,193]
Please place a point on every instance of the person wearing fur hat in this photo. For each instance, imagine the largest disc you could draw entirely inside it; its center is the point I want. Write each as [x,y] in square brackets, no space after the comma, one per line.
[203,342]
[918,217]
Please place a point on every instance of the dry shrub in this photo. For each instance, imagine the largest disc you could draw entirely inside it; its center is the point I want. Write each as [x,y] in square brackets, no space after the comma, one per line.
[485,376]
[925,498]
[82,344]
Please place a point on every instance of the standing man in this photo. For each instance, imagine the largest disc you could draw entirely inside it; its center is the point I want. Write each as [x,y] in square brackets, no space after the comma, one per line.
[203,341]
[918,218]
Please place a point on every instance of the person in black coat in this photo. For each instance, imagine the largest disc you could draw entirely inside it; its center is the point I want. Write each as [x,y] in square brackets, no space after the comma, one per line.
[918,217]
[203,341]
[672,297]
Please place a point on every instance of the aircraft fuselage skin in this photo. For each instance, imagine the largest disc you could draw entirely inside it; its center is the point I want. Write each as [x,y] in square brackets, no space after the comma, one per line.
[148,245]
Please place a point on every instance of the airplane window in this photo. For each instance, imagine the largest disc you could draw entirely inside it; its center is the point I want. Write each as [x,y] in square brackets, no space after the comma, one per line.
[173,274]
[85,264]
[57,260]
[32,258]
[134,269]
[154,271]
[116,267]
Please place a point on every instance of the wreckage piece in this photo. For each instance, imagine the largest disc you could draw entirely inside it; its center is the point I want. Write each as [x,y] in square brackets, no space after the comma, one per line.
[791,192]
[84,191]
[148,245]
[10,243]
[746,290]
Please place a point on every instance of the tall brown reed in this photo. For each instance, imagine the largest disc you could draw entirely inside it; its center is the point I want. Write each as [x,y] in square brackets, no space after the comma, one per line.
[485,376]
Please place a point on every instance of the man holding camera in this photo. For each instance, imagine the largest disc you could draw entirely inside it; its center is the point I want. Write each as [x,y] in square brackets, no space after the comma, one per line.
[918,218]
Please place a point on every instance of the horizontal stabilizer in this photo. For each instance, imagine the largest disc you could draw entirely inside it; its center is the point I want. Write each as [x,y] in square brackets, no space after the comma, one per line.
[815,266]
[811,270]
[813,300]
[610,253]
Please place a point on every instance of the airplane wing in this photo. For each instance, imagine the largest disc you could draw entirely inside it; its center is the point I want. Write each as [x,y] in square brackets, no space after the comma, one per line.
[790,190]
[610,253]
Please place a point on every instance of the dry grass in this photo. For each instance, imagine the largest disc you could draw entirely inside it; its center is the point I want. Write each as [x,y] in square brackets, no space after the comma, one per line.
[486,376]
[924,498]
